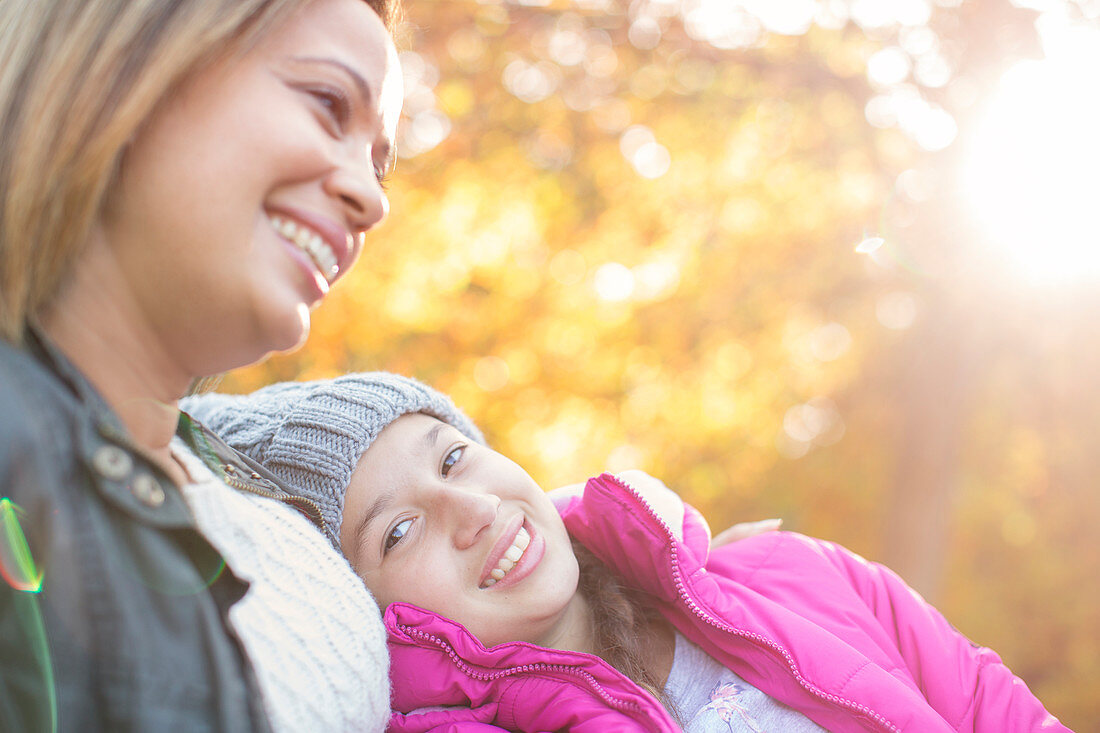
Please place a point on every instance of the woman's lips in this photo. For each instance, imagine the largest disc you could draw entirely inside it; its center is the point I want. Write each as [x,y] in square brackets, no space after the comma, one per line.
[330,247]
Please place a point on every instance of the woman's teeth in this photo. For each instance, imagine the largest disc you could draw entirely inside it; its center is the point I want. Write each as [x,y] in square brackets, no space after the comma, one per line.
[311,243]
[510,557]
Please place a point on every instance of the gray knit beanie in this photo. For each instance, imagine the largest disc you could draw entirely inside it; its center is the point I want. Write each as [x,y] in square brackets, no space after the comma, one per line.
[312,434]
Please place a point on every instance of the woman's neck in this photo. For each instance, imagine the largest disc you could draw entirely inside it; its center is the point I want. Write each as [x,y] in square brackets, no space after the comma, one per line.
[95,324]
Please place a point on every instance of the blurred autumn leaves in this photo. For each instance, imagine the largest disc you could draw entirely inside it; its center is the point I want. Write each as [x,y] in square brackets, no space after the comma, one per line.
[623,235]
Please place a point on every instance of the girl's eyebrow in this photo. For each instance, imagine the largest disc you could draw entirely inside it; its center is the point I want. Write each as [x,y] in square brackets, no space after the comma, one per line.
[377,507]
[427,442]
[385,498]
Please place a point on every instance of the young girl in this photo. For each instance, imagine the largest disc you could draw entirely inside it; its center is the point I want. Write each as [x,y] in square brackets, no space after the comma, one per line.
[604,608]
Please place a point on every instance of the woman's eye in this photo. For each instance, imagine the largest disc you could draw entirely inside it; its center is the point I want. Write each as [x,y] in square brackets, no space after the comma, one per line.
[381,174]
[335,104]
[397,533]
[451,459]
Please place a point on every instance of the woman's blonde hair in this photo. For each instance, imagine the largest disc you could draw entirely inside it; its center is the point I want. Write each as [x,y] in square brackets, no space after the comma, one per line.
[77,80]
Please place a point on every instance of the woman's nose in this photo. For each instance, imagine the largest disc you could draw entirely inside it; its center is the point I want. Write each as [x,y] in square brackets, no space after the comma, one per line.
[473,512]
[356,186]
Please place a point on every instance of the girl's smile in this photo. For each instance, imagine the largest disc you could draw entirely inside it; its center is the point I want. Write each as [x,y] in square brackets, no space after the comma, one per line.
[512,562]
[434,519]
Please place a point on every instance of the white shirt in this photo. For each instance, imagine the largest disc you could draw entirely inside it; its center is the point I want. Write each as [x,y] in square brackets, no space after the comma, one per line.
[710,697]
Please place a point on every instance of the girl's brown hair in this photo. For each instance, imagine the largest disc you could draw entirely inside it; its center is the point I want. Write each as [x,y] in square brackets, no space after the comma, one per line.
[622,621]
[77,80]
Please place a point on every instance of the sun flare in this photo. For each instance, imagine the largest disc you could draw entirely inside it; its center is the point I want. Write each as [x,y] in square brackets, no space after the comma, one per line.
[1033,174]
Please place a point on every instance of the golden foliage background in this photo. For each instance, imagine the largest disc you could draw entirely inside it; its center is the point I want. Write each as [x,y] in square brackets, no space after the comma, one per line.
[713,324]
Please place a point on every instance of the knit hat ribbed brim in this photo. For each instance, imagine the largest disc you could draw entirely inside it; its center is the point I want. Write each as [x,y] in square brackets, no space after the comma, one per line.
[311,435]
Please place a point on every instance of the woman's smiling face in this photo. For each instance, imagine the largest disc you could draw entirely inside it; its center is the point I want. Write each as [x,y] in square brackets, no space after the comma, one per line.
[247,193]
[434,519]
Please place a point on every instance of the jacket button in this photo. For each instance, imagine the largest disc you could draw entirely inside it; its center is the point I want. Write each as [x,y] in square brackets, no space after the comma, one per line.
[147,490]
[112,462]
[255,475]
[230,469]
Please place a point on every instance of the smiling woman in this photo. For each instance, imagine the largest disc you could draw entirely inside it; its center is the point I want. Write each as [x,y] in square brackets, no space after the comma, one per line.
[265,147]
[180,184]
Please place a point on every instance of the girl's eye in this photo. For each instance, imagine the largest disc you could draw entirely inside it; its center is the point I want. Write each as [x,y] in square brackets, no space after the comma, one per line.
[397,533]
[451,459]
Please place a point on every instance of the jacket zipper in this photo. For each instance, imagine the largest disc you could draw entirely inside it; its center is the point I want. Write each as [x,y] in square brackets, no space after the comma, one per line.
[294,501]
[220,468]
[457,660]
[285,498]
[681,590]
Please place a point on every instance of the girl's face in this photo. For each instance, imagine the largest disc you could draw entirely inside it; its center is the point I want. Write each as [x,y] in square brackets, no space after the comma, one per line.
[432,519]
[248,192]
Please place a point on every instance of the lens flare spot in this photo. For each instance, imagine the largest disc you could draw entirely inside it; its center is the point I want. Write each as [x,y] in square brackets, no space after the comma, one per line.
[869,245]
[16,564]
[23,616]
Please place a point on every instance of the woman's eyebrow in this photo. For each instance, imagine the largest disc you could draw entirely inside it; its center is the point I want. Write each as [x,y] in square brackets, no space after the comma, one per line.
[361,86]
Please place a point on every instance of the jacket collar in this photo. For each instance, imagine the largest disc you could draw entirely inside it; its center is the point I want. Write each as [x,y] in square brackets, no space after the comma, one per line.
[119,469]
[234,468]
[436,661]
[627,530]
[50,356]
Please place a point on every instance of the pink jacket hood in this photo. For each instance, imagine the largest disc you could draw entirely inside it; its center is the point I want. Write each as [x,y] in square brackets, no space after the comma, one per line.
[818,628]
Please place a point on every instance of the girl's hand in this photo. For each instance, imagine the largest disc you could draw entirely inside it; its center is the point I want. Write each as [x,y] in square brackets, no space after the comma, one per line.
[669,507]
[744,529]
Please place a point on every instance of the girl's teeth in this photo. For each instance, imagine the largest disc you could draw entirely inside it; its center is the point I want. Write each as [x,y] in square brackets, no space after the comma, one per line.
[510,558]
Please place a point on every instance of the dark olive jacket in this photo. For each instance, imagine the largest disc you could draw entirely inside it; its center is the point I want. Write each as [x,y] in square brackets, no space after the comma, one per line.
[113,608]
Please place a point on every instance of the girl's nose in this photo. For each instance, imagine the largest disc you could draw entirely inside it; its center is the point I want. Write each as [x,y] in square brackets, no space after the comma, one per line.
[473,512]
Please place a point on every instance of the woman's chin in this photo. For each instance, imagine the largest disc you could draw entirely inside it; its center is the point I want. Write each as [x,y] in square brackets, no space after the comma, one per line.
[273,332]
[289,332]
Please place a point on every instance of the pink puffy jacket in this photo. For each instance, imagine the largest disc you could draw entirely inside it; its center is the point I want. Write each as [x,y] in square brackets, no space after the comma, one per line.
[840,639]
